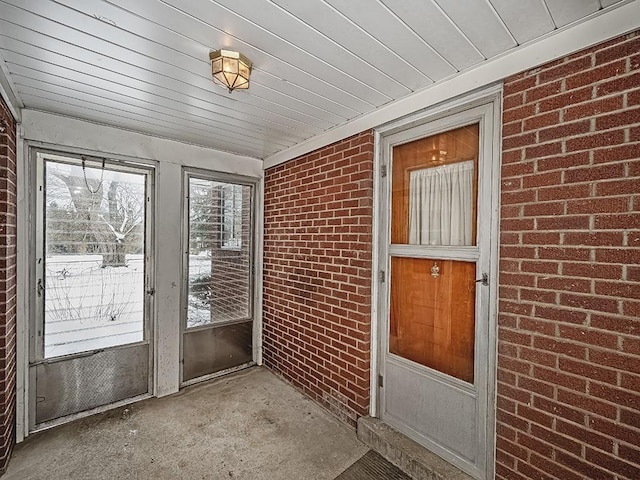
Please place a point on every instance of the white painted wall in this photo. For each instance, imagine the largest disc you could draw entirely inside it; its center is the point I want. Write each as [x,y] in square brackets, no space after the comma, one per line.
[76,136]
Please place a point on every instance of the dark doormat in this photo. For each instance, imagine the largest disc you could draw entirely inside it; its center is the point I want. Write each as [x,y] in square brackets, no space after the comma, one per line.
[372,466]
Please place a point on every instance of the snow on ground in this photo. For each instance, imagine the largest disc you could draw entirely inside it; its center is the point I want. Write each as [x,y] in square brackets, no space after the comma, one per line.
[198,312]
[88,307]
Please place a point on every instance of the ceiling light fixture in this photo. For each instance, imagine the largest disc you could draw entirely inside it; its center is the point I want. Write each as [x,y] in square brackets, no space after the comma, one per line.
[231,69]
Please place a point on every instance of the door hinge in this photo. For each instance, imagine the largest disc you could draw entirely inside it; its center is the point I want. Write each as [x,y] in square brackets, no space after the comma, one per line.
[380,381]
[383,171]
[382,276]
[484,280]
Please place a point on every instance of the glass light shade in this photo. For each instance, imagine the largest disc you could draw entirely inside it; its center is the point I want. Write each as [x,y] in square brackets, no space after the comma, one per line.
[231,69]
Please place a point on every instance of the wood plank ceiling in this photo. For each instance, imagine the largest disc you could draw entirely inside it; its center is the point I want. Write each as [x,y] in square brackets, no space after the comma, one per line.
[143,65]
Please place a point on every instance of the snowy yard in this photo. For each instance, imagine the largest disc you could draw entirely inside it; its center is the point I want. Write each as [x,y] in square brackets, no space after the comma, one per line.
[89,307]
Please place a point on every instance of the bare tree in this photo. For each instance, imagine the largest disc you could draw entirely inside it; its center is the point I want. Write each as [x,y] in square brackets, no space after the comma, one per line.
[101,215]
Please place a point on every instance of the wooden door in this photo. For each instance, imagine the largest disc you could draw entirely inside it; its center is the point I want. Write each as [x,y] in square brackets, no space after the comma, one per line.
[434,340]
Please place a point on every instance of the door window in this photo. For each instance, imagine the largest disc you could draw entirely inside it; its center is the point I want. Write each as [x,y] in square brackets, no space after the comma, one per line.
[219,260]
[94,257]
[433,296]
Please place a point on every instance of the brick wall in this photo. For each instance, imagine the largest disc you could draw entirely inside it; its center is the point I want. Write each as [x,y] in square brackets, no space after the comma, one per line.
[317,273]
[569,322]
[7,283]
[230,267]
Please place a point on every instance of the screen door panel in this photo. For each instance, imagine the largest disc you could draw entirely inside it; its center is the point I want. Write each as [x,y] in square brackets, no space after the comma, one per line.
[218,291]
[433,252]
[89,342]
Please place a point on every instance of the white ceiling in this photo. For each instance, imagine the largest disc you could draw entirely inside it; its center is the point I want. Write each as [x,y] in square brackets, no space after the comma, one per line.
[143,65]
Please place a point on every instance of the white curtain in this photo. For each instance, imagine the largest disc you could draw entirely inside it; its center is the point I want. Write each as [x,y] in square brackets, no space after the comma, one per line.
[440,205]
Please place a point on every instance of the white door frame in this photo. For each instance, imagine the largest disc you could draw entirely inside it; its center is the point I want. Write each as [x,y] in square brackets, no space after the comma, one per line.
[491,97]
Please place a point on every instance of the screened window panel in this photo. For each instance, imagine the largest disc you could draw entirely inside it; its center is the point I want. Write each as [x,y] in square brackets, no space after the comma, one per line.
[94,258]
[219,260]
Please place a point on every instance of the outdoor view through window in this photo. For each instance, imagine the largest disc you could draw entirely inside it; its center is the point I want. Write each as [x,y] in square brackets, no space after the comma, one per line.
[219,252]
[94,245]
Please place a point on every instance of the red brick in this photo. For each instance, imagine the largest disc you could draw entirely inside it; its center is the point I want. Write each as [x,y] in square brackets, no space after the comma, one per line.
[518,113]
[553,438]
[568,284]
[563,222]
[512,101]
[619,84]
[617,187]
[629,453]
[595,173]
[596,140]
[564,130]
[517,141]
[628,363]
[583,434]
[591,270]
[560,314]
[619,119]
[539,121]
[600,304]
[587,403]
[617,153]
[593,108]
[565,69]
[594,75]
[610,462]
[620,255]
[629,326]
[544,150]
[542,91]
[538,266]
[588,336]
[560,347]
[599,205]
[587,469]
[542,179]
[518,85]
[562,162]
[563,192]
[559,410]
[562,253]
[619,50]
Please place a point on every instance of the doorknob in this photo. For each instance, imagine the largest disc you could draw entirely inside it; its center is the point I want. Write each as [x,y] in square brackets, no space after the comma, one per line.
[484,280]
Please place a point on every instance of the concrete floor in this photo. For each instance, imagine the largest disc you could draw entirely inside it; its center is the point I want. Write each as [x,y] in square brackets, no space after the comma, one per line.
[250,425]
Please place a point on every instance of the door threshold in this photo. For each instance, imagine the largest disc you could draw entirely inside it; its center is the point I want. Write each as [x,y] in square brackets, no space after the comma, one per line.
[87,413]
[219,374]
[406,454]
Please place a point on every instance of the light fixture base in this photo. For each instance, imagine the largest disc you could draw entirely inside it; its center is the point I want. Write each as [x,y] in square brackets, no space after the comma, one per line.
[230,69]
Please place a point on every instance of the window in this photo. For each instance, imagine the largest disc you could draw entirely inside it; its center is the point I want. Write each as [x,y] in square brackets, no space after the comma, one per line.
[219,256]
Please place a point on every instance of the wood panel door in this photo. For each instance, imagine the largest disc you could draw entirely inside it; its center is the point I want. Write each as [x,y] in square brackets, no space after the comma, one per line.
[434,346]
